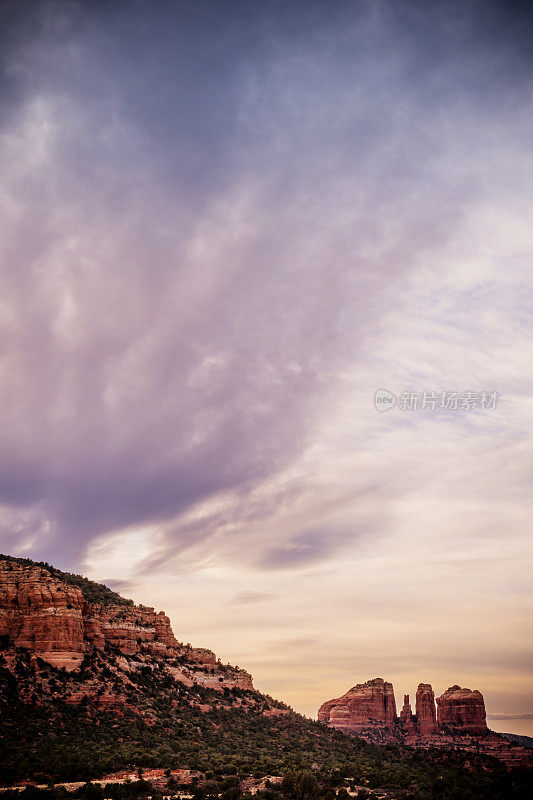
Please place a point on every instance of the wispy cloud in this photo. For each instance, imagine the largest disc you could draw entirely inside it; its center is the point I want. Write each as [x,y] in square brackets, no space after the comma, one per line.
[243,598]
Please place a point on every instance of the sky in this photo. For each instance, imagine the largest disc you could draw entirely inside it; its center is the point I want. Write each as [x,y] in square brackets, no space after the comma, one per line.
[225,226]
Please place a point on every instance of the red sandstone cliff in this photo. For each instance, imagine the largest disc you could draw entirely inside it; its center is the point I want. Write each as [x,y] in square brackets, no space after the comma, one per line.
[54,621]
[370,703]
[462,710]
[40,613]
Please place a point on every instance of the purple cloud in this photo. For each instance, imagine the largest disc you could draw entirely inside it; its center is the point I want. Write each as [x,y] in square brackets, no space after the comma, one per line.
[207,213]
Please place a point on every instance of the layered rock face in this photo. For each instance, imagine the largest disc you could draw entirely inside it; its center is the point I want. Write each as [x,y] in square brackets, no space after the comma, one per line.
[462,710]
[53,620]
[366,704]
[425,710]
[371,704]
[130,628]
[41,614]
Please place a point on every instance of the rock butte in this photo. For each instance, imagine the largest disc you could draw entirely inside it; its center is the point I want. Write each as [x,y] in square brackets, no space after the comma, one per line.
[463,710]
[372,701]
[372,705]
[458,720]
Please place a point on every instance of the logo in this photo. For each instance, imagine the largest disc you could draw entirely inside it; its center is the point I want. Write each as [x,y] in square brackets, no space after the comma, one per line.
[384,400]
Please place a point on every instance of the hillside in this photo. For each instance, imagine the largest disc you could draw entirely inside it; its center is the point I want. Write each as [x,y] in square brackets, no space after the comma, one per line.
[525,741]
[88,688]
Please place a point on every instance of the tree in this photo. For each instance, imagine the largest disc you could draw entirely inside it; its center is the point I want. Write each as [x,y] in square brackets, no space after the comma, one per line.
[306,785]
[288,784]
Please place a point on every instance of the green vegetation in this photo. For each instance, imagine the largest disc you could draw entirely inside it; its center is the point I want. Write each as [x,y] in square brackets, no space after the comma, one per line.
[55,729]
[307,784]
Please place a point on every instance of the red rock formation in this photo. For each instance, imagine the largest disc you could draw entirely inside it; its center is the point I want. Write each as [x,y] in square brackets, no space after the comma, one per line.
[407,719]
[200,655]
[406,712]
[41,614]
[53,620]
[132,629]
[370,703]
[426,715]
[462,710]
[367,711]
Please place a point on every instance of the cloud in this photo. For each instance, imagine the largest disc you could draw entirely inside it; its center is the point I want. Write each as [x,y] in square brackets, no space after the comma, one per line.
[305,548]
[244,598]
[192,262]
[173,320]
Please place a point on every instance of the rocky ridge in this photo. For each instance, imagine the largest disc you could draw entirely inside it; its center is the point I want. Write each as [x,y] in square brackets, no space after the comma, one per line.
[458,720]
